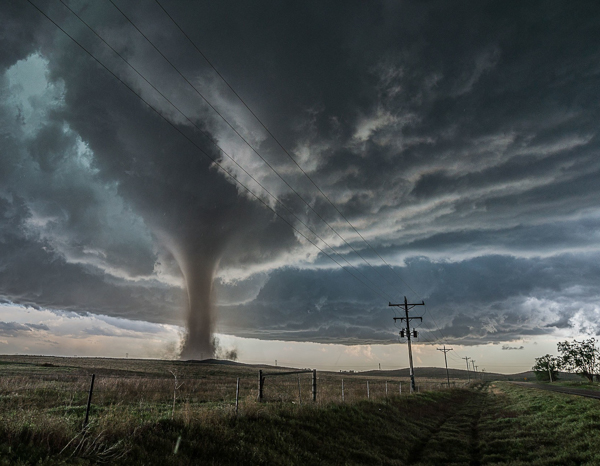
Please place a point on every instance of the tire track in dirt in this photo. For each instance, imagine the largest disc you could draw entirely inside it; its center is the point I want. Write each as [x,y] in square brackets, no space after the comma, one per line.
[474,444]
[455,439]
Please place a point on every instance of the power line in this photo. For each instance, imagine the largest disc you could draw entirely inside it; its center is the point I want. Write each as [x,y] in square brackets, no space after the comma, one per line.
[197,146]
[208,61]
[211,140]
[244,170]
[252,147]
[278,142]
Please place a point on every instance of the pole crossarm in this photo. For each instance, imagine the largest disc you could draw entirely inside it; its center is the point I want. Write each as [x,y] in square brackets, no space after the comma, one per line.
[422,303]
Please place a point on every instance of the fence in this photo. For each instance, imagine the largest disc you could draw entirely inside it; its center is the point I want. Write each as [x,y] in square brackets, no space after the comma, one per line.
[163,396]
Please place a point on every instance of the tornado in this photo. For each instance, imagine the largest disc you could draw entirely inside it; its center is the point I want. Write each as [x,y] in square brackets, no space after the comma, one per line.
[198,264]
[165,173]
[197,246]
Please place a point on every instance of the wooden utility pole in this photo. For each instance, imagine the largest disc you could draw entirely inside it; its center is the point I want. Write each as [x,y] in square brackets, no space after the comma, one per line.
[408,319]
[446,361]
[468,373]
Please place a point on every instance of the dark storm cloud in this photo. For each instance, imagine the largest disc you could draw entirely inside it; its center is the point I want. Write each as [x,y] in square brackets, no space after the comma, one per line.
[32,274]
[486,299]
[460,132]
[12,329]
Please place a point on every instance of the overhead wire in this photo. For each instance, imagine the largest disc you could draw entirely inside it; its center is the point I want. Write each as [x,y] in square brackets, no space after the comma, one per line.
[197,91]
[213,142]
[280,144]
[254,150]
[267,130]
[196,145]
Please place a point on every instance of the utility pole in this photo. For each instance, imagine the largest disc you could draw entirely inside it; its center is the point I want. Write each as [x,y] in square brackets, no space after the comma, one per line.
[468,373]
[474,371]
[408,319]
[446,361]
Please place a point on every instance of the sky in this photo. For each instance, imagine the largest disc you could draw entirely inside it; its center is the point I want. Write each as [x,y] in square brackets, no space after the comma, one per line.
[277,173]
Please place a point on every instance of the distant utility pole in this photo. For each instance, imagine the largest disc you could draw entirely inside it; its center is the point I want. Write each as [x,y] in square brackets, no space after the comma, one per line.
[408,319]
[468,373]
[474,370]
[446,361]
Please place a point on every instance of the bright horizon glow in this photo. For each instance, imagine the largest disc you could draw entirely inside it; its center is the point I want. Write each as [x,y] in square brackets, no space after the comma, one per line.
[29,331]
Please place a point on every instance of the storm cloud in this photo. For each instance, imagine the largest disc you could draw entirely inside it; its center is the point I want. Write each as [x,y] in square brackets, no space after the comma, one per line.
[459,139]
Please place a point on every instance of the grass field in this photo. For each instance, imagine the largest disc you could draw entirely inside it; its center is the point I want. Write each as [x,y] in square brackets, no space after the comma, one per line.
[43,402]
[583,384]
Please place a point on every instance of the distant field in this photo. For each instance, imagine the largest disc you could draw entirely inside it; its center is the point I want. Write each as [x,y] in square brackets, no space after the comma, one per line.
[49,381]
[138,417]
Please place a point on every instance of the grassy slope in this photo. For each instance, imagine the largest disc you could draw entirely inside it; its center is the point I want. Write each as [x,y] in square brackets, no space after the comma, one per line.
[359,433]
[527,426]
[498,423]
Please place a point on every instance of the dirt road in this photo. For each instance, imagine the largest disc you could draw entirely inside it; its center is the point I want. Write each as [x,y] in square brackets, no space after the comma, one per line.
[558,388]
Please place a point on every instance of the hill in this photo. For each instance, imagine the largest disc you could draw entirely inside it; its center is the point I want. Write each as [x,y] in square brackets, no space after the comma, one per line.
[461,374]
[433,373]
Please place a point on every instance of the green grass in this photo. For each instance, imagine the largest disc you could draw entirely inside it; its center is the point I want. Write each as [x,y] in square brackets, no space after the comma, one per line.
[364,432]
[584,384]
[132,421]
[527,426]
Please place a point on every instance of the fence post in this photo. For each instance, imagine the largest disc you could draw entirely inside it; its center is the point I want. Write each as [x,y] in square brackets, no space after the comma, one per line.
[87,411]
[368,394]
[237,395]
[299,392]
[314,385]
[386,388]
[400,384]
[260,385]
[342,389]
[174,394]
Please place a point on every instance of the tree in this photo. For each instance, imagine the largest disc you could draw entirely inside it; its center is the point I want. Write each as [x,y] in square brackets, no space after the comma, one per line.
[579,357]
[545,366]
